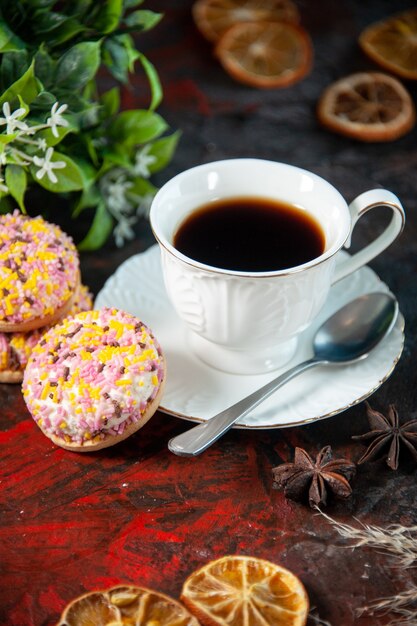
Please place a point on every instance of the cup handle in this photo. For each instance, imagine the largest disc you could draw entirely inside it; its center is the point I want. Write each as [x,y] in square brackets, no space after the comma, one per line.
[361,205]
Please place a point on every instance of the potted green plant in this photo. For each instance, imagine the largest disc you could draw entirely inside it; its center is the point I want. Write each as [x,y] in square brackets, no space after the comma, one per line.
[58,131]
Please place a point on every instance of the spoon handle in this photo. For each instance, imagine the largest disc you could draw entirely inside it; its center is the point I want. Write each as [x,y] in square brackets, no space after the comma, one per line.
[197,439]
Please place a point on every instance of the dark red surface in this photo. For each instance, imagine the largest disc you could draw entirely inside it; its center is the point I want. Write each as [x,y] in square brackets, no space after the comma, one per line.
[70,523]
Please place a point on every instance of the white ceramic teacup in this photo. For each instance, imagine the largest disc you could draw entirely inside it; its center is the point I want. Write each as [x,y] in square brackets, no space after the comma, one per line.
[249,322]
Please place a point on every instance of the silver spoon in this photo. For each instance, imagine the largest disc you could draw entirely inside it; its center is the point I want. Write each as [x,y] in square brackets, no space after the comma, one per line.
[347,336]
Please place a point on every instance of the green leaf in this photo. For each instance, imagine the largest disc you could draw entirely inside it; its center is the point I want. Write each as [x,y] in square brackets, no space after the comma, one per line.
[9,41]
[68,30]
[56,28]
[46,21]
[23,105]
[154,82]
[109,15]
[136,127]
[116,58]
[16,181]
[69,178]
[78,65]
[111,102]
[132,54]
[90,90]
[163,149]
[44,67]
[91,149]
[5,139]
[99,231]
[62,131]
[87,171]
[76,103]
[13,65]
[43,101]
[142,187]
[120,54]
[90,197]
[114,159]
[90,116]
[79,7]
[27,87]
[142,20]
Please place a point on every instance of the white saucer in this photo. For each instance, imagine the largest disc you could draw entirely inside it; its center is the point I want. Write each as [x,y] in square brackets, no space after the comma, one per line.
[195,391]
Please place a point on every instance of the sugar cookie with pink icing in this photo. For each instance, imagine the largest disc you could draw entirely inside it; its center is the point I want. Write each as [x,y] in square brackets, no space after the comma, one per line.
[94,379]
[16,348]
[39,273]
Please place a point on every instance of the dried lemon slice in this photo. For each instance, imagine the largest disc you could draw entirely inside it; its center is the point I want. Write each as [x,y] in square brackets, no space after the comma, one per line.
[266,54]
[126,606]
[214,17]
[245,591]
[392,43]
[368,106]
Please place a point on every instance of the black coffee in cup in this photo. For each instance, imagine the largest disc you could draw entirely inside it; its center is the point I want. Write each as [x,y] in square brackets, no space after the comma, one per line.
[250,235]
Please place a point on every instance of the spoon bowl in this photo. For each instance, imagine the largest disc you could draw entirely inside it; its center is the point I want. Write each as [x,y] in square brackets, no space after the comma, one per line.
[347,336]
[355,329]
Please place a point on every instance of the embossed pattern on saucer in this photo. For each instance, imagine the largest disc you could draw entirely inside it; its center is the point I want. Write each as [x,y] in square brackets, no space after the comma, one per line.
[194,391]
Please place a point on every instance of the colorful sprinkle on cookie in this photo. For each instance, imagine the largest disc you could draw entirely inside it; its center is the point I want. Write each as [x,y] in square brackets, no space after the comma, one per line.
[39,271]
[16,348]
[94,379]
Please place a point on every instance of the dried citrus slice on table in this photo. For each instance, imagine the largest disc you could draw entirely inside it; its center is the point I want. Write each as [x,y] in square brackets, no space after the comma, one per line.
[245,591]
[369,106]
[214,17]
[266,54]
[392,43]
[126,606]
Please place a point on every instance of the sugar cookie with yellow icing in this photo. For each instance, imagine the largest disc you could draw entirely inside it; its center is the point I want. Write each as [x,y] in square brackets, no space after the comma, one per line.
[39,273]
[94,379]
[16,348]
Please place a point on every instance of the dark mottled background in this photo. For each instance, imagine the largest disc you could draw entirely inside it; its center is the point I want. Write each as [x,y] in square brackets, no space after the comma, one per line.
[70,523]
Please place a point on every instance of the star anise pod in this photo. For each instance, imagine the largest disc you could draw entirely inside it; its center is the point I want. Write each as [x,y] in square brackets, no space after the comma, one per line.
[317,477]
[387,436]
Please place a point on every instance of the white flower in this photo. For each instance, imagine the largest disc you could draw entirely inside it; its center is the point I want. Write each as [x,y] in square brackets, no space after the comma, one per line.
[47,166]
[115,193]
[142,162]
[123,230]
[12,119]
[56,118]
[42,145]
[117,198]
